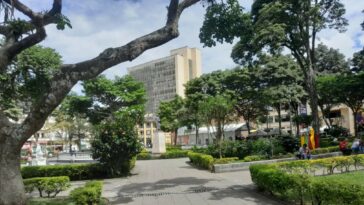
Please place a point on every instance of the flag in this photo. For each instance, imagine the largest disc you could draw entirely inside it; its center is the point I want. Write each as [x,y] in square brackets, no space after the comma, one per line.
[312,138]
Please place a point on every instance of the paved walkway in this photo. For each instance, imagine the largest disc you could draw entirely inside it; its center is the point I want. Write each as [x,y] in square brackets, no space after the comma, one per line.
[174,182]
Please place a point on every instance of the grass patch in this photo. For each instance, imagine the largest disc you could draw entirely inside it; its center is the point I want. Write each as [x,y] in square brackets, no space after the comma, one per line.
[350,178]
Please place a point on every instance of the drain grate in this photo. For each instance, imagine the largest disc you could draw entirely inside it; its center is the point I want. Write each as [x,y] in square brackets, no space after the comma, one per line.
[156,194]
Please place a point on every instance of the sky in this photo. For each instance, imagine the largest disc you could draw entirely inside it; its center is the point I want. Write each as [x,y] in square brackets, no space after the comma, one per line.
[100,24]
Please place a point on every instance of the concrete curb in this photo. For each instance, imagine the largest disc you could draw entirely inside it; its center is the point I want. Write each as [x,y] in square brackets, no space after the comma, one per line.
[220,168]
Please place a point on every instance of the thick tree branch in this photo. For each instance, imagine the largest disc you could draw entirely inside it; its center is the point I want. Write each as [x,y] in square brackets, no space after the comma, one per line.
[70,74]
[22,8]
[3,30]
[38,20]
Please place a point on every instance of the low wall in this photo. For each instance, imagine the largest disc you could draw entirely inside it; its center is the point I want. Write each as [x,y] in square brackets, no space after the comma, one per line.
[219,168]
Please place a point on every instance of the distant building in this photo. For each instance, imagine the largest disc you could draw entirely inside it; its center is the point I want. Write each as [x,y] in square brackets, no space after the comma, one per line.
[164,78]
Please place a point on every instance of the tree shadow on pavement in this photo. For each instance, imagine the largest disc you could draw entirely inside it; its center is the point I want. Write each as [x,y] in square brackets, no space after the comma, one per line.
[248,193]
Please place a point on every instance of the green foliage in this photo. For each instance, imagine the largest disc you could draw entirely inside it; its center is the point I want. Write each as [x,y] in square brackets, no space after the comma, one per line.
[325,150]
[358,61]
[170,154]
[262,146]
[219,111]
[115,144]
[62,22]
[201,160]
[47,185]
[144,155]
[106,99]
[330,61]
[90,194]
[73,171]
[290,181]
[226,160]
[254,158]
[169,112]
[27,78]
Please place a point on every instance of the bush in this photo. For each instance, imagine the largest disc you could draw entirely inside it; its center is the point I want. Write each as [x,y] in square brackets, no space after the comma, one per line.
[325,150]
[144,156]
[90,194]
[225,160]
[261,146]
[73,171]
[291,181]
[254,158]
[47,185]
[229,149]
[201,160]
[173,147]
[174,154]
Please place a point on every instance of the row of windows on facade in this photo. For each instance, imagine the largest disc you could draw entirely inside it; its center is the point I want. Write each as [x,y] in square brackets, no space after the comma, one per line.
[285,118]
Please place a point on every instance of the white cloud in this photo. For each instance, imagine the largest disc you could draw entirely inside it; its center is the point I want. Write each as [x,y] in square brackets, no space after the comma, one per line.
[98,24]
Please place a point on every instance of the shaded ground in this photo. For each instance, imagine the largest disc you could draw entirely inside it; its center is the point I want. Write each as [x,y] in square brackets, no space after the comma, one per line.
[173,181]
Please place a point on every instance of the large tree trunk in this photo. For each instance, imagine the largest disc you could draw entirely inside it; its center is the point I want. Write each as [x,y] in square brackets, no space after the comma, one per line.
[355,113]
[279,118]
[196,134]
[311,90]
[11,182]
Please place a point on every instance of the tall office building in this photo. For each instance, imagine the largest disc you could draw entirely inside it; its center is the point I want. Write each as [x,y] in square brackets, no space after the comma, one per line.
[163,79]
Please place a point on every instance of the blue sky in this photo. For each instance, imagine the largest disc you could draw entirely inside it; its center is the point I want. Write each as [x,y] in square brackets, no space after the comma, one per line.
[99,24]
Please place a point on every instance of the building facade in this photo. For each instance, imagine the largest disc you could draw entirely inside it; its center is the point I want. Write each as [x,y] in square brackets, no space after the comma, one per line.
[163,79]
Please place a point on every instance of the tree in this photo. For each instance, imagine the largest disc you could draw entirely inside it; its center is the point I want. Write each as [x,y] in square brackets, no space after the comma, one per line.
[169,114]
[70,124]
[281,81]
[192,113]
[22,33]
[327,94]
[330,61]
[273,25]
[246,91]
[114,108]
[349,90]
[219,111]
[358,61]
[116,142]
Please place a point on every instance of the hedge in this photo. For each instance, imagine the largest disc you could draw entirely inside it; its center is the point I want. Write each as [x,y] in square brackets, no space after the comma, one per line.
[144,156]
[254,158]
[73,171]
[201,160]
[292,181]
[226,160]
[325,150]
[50,186]
[90,194]
[174,153]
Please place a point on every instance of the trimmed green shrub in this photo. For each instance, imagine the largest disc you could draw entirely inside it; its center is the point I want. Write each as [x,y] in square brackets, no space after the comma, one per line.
[174,153]
[90,194]
[50,186]
[73,171]
[254,158]
[325,150]
[201,160]
[292,181]
[225,160]
[144,156]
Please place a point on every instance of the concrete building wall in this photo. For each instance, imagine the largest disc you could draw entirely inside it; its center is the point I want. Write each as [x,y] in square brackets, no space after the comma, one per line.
[163,79]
